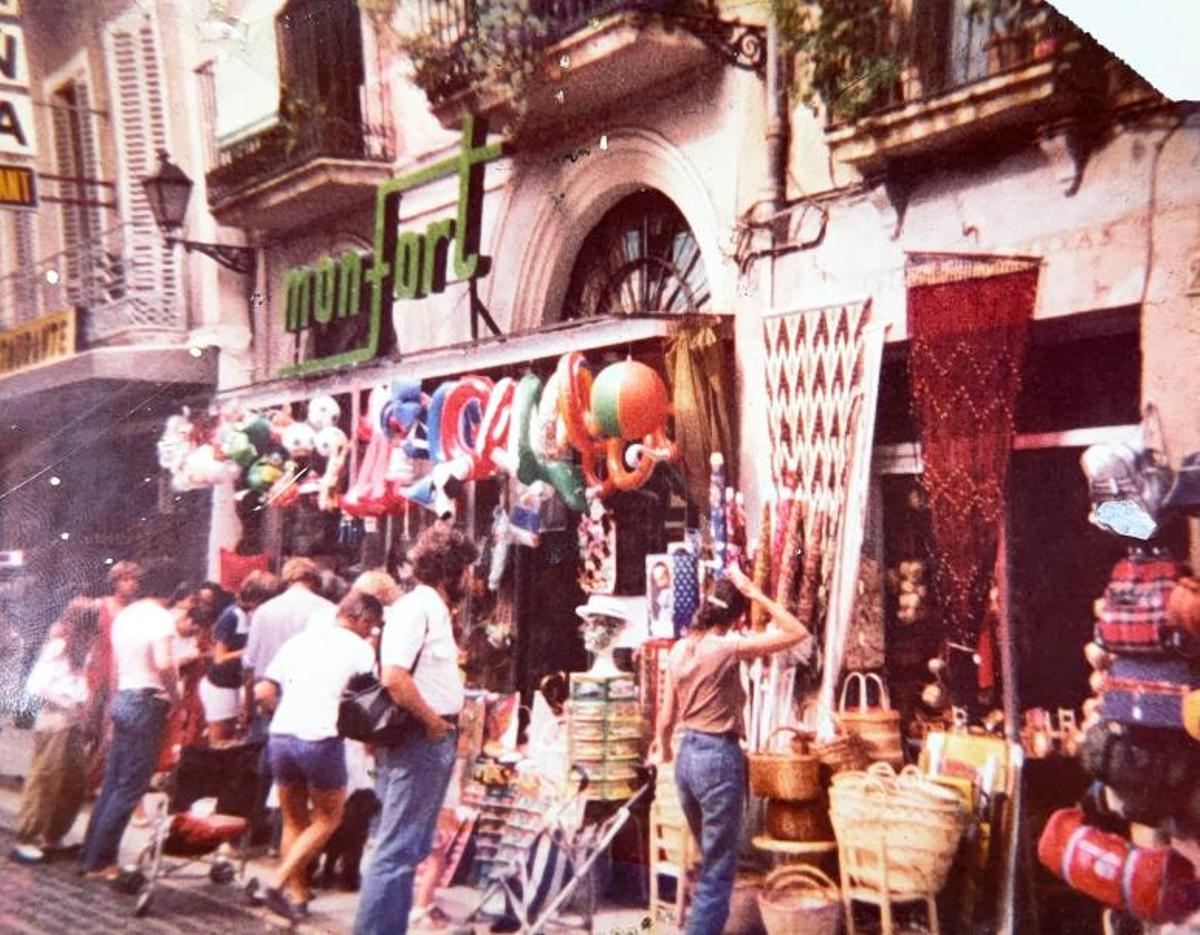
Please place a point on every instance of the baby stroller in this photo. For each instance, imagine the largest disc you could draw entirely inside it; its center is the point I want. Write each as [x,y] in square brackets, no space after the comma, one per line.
[558,863]
[231,776]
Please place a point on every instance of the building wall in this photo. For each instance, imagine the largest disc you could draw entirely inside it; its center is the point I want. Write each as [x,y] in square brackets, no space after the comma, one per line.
[1125,237]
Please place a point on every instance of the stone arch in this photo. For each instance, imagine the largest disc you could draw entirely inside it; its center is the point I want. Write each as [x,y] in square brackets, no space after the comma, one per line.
[556,209]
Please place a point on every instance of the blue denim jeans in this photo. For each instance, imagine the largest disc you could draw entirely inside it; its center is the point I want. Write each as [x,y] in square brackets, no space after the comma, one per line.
[411,785]
[710,773]
[139,721]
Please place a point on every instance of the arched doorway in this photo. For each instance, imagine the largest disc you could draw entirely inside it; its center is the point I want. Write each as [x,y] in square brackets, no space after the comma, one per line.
[640,259]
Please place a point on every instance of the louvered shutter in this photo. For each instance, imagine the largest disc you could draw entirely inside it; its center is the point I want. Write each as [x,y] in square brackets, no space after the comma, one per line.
[75,274]
[140,120]
[99,243]
[26,264]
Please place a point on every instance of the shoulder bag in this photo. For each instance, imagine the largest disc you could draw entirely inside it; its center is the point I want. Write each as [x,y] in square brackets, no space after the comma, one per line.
[368,714]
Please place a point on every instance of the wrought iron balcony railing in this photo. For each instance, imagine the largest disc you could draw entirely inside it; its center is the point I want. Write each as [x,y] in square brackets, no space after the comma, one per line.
[450,36]
[929,48]
[290,144]
[123,282]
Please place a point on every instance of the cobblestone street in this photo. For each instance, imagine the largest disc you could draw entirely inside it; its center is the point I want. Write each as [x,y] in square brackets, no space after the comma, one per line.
[51,899]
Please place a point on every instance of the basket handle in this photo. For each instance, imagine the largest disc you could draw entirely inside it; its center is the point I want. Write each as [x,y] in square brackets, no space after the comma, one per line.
[862,691]
[789,729]
[801,876]
[884,700]
[882,770]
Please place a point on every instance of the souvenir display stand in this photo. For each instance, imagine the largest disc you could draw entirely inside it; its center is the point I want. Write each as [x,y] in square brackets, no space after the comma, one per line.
[604,734]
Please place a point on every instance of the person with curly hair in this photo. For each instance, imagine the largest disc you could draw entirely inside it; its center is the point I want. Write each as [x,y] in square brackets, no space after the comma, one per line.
[419,660]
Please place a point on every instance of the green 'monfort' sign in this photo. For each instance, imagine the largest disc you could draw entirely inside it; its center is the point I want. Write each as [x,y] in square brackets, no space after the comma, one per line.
[403,265]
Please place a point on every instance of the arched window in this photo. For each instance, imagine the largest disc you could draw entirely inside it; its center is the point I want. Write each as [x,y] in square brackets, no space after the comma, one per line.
[641,259]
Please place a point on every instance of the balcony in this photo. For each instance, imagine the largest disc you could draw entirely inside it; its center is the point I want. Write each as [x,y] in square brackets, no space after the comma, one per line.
[124,282]
[329,145]
[570,57]
[297,170]
[955,76]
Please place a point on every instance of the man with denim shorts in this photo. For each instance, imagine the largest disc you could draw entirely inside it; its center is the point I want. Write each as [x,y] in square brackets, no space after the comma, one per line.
[419,660]
[304,684]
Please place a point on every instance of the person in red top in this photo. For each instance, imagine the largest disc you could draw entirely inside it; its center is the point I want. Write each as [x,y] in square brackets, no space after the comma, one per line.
[124,579]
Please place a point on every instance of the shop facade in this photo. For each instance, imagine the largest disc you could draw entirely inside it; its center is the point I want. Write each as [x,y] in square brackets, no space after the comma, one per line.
[654,191]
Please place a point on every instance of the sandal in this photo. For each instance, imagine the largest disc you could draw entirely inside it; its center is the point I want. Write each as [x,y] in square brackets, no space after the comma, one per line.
[279,903]
[106,875]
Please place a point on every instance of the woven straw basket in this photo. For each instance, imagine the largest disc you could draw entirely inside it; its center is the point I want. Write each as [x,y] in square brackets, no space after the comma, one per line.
[896,832]
[799,898]
[790,777]
[879,727]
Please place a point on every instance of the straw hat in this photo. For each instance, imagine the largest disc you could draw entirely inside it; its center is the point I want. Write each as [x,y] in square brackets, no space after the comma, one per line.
[600,606]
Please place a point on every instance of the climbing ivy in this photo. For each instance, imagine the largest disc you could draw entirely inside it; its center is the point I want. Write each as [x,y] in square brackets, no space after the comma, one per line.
[848,55]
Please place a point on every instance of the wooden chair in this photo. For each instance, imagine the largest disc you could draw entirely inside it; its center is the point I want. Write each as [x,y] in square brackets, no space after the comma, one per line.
[852,861]
[671,854]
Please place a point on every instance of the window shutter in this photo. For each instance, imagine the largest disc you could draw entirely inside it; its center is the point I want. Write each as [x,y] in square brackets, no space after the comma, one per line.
[137,90]
[23,254]
[75,273]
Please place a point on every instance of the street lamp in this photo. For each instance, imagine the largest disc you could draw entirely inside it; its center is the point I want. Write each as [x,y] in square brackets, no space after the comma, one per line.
[168,191]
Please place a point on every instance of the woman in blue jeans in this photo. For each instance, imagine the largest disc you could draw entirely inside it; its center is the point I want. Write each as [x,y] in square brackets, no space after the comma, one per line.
[704,699]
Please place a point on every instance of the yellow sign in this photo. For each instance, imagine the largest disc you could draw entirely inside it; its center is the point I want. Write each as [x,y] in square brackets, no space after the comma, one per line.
[49,338]
[18,187]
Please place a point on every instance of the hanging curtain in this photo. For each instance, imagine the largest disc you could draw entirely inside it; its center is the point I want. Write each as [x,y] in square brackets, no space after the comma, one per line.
[968,317]
[822,383]
[701,392]
[814,382]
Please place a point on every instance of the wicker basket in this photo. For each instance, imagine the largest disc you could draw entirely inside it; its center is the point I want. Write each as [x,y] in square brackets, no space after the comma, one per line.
[744,916]
[895,832]
[845,751]
[799,898]
[798,821]
[789,777]
[878,727]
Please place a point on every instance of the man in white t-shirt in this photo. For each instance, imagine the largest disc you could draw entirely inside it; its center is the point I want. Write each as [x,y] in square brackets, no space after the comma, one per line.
[276,621]
[419,660]
[147,685]
[308,758]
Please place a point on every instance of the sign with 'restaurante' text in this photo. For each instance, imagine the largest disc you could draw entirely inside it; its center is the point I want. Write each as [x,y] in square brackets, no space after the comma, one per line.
[45,339]
[403,265]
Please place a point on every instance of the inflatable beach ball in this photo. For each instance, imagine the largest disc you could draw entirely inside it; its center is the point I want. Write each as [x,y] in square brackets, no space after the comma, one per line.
[629,400]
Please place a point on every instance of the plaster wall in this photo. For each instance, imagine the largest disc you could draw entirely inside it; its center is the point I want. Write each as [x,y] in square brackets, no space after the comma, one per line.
[1127,237]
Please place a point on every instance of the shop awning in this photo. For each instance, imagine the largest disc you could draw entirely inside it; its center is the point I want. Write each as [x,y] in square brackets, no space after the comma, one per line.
[507,351]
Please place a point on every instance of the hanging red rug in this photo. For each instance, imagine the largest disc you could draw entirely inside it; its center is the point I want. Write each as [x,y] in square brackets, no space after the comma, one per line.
[968,317]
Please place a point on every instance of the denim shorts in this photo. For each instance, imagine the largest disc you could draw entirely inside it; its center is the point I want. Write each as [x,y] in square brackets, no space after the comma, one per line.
[317,764]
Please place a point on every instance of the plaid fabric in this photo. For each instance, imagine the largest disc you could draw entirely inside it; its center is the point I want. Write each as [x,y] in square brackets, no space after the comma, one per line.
[1134,617]
[1146,570]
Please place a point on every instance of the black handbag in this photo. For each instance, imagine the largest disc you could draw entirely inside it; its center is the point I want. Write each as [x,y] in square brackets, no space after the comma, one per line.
[368,714]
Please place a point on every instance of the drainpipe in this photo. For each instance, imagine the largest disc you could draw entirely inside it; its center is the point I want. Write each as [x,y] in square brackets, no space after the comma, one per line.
[777,121]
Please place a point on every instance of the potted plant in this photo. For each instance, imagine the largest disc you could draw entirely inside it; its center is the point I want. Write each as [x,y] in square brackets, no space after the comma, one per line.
[1011,43]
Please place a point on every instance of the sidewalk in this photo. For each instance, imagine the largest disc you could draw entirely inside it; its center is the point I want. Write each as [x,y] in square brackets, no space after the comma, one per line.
[331,912]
